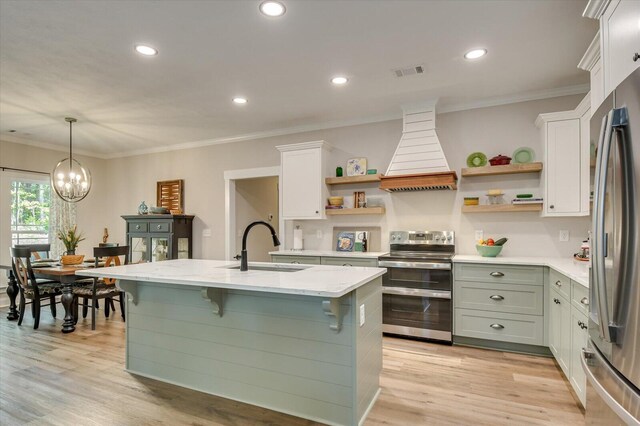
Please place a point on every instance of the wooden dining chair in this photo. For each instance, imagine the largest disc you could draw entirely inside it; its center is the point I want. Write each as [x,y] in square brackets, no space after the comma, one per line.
[30,287]
[102,288]
[38,251]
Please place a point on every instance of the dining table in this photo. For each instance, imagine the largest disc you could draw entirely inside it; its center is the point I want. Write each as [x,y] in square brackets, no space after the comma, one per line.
[66,275]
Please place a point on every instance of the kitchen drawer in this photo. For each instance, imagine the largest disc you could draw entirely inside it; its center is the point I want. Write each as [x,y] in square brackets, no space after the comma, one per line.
[494,273]
[138,227]
[526,329]
[508,298]
[580,297]
[561,283]
[348,261]
[159,227]
[302,260]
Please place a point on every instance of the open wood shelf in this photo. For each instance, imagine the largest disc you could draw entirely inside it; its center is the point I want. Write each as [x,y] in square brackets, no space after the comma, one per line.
[345,180]
[502,208]
[509,169]
[365,210]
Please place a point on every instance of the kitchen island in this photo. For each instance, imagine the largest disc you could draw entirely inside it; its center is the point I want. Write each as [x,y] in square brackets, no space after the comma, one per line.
[303,340]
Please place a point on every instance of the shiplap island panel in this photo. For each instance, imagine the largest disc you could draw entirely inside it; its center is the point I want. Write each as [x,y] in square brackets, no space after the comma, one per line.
[299,349]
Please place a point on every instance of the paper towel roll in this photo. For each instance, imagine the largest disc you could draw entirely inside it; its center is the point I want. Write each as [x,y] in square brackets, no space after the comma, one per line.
[297,239]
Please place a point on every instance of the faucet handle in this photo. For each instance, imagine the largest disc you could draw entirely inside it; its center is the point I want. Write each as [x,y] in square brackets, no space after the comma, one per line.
[237,257]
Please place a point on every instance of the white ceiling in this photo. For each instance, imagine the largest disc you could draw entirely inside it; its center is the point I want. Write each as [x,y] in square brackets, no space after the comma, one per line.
[60,58]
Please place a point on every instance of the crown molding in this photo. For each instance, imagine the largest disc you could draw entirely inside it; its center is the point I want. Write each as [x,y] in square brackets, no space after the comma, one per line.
[519,97]
[592,54]
[50,146]
[595,8]
[461,106]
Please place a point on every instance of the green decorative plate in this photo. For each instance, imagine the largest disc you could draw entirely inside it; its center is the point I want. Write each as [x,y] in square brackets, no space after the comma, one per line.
[477,159]
[523,155]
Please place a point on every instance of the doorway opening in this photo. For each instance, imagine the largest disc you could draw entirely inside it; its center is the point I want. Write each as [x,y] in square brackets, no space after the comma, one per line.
[252,195]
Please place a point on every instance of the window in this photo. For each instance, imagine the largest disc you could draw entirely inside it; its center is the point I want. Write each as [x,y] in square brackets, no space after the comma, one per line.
[30,206]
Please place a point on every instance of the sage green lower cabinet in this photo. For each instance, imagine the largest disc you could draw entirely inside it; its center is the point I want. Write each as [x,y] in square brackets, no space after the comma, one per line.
[568,333]
[297,260]
[499,303]
[303,355]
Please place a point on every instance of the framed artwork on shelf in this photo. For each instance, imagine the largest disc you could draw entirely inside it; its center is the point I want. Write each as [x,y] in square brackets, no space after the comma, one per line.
[357,167]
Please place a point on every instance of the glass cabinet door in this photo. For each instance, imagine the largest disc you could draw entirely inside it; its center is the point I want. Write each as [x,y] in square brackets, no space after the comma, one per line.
[183,248]
[138,250]
[160,249]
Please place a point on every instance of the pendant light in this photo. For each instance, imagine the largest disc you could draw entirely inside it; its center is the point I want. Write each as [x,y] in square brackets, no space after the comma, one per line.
[69,179]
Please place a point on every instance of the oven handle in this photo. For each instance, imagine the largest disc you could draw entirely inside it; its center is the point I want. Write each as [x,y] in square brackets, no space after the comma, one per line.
[414,265]
[400,291]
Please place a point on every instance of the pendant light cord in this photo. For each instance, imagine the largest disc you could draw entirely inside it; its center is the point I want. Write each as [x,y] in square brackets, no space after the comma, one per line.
[70,147]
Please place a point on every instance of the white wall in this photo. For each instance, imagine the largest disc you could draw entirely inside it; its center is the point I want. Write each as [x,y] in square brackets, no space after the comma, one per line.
[121,184]
[256,199]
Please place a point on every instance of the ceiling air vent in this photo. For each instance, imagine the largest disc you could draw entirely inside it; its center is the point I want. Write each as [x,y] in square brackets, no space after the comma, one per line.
[405,71]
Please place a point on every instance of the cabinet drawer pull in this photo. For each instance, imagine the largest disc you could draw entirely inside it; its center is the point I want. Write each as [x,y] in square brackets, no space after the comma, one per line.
[585,301]
[159,226]
[137,226]
[497,326]
[552,206]
[584,326]
[347,264]
[556,301]
[497,274]
[496,297]
[636,57]
[558,283]
[295,262]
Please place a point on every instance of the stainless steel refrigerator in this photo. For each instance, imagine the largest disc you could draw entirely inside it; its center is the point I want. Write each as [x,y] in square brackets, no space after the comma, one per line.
[611,360]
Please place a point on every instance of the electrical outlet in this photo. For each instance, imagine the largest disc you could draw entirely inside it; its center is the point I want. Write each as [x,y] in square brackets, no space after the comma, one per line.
[564,235]
[319,234]
[479,235]
[361,315]
[206,233]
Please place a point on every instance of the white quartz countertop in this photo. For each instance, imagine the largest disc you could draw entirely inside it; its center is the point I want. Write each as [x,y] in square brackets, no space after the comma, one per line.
[574,269]
[331,253]
[311,280]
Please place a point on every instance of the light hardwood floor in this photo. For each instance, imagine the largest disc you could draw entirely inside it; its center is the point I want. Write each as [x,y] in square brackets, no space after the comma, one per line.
[47,378]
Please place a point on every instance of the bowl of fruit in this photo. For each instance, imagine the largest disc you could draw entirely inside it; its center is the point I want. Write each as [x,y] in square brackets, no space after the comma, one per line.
[489,247]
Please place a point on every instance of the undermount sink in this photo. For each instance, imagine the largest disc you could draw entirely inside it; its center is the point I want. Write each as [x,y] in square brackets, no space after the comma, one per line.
[272,268]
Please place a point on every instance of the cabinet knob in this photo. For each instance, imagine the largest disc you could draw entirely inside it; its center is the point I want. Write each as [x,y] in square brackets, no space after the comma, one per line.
[496,297]
[585,301]
[497,274]
[558,283]
[317,211]
[556,301]
[636,56]
[552,206]
[159,226]
[137,226]
[497,326]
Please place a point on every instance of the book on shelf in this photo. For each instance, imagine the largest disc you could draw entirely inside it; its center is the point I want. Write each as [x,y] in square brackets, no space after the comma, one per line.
[526,200]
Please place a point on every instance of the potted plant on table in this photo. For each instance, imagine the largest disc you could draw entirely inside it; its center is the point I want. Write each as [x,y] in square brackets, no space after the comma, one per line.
[70,237]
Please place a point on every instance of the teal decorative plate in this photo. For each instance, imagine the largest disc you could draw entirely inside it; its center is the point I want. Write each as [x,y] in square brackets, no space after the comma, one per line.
[476,159]
[523,155]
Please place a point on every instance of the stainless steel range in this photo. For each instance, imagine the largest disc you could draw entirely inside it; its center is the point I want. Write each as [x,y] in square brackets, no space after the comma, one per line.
[417,288]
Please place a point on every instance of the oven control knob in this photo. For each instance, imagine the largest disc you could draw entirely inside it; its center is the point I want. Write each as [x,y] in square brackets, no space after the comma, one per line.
[437,237]
[449,238]
[393,237]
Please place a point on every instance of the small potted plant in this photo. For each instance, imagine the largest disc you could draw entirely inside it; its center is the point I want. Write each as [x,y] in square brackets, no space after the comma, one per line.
[70,237]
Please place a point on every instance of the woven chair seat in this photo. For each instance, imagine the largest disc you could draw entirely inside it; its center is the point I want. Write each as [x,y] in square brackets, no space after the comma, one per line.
[51,288]
[101,290]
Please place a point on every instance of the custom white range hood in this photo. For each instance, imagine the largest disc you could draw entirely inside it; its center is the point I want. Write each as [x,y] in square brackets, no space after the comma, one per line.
[419,163]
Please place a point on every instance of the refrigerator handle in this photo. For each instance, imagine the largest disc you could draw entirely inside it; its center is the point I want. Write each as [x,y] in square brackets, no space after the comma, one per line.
[590,356]
[602,170]
[629,227]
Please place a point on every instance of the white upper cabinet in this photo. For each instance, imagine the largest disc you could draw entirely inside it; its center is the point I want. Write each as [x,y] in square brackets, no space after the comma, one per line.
[620,37]
[565,176]
[592,62]
[302,190]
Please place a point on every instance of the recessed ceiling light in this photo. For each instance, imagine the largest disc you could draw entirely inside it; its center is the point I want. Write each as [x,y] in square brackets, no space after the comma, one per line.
[272,8]
[475,53]
[240,100]
[339,80]
[146,50]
